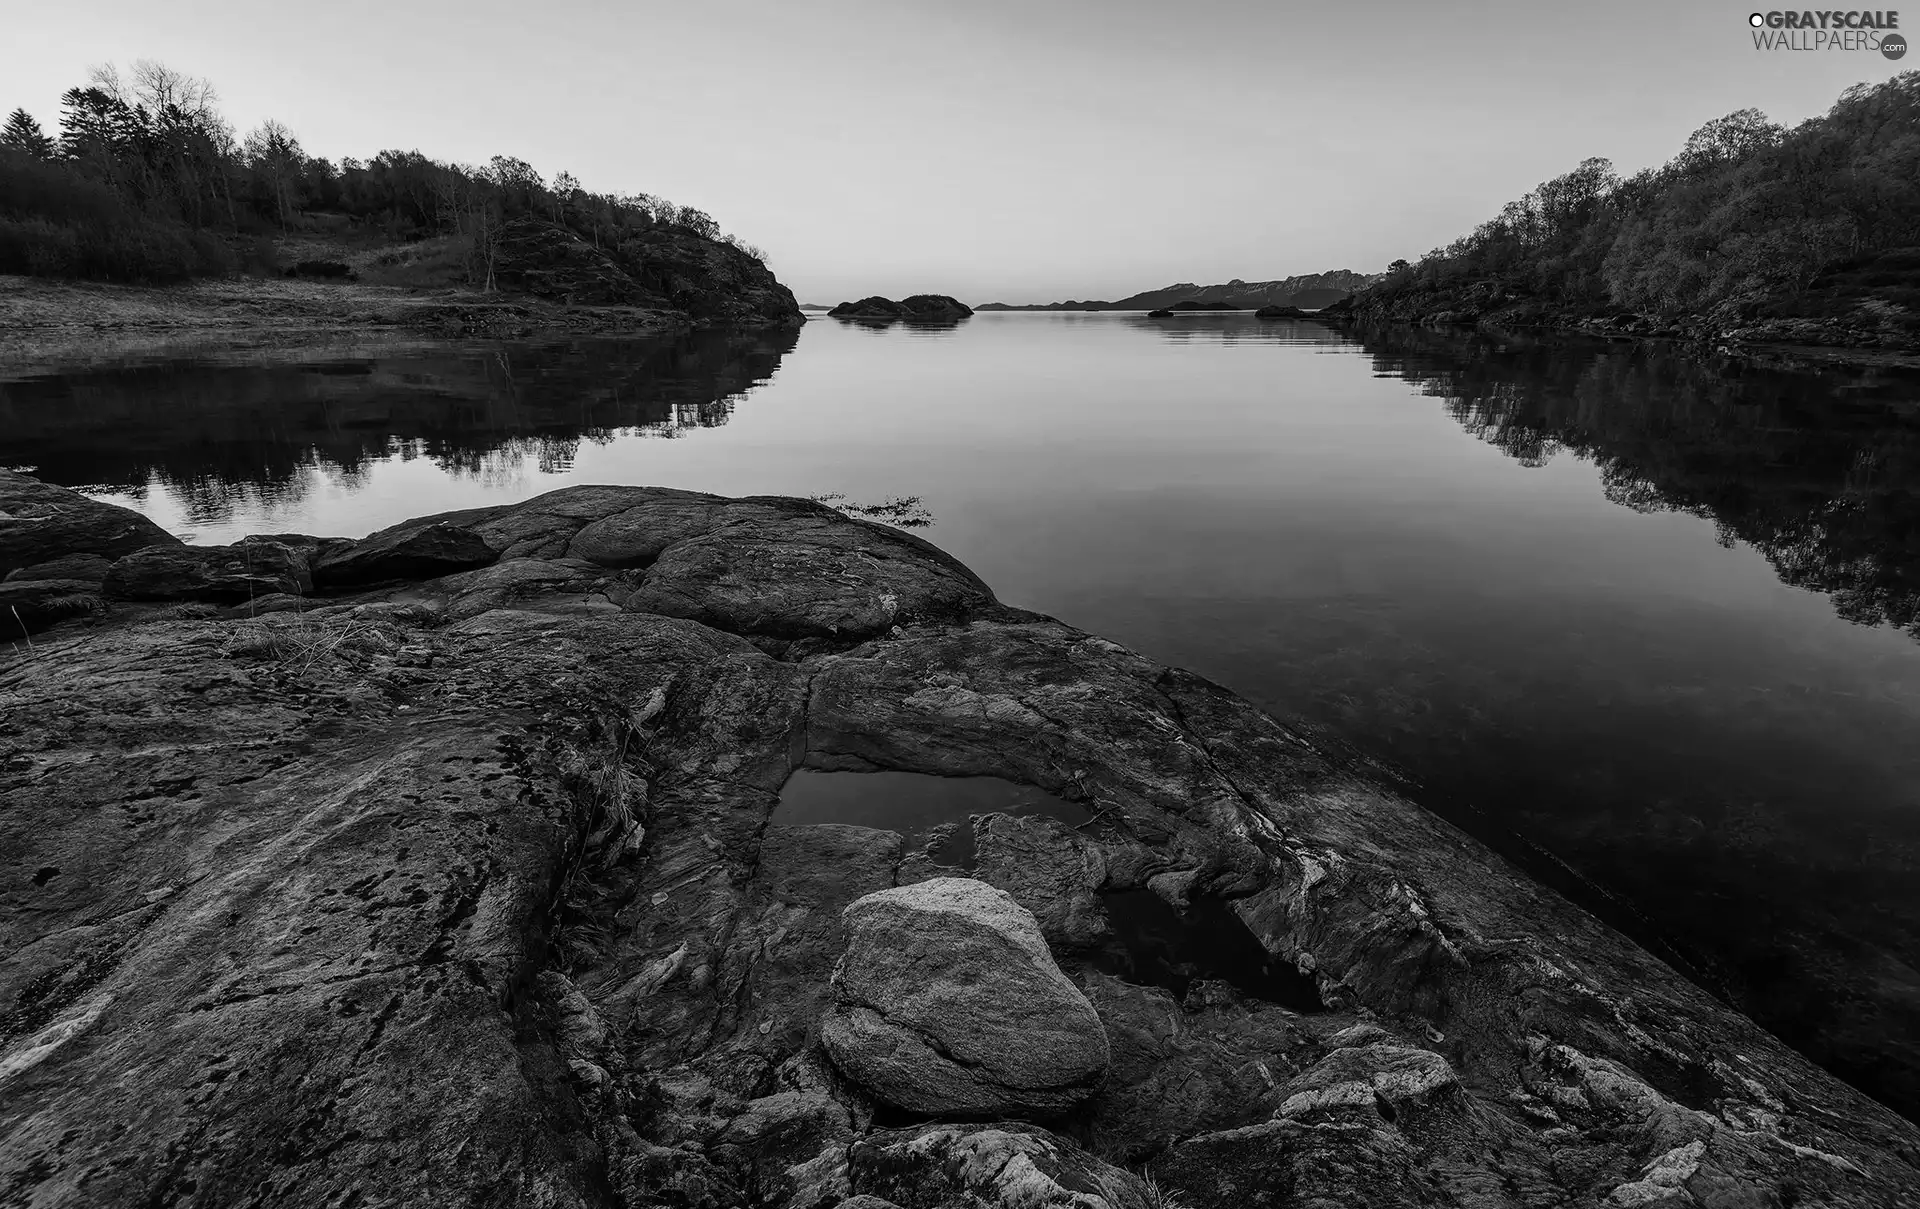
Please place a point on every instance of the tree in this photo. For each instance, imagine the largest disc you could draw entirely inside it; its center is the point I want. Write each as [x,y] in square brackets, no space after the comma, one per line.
[697,221]
[144,164]
[94,125]
[469,202]
[565,186]
[519,185]
[22,133]
[276,158]
[1724,140]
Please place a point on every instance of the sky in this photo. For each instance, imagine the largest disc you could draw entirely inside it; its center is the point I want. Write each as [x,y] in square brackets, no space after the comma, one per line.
[1010,150]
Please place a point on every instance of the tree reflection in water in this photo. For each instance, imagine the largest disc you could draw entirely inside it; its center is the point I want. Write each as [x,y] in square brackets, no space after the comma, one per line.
[1822,478]
[224,438]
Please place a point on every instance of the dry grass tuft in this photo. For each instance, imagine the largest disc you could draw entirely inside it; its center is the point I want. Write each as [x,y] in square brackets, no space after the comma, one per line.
[434,263]
[304,644]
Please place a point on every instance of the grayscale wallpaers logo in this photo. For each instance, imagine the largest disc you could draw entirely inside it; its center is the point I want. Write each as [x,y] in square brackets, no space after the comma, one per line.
[1827,29]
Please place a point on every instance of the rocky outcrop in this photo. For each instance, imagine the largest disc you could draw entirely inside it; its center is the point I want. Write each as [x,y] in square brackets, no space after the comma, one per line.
[659,267]
[549,261]
[412,550]
[1008,1164]
[707,278]
[467,890]
[28,606]
[88,568]
[40,522]
[1279,312]
[226,574]
[931,308]
[947,1002]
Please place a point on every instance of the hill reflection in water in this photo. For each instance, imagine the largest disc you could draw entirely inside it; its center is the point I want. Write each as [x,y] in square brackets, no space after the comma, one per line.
[1819,473]
[247,435]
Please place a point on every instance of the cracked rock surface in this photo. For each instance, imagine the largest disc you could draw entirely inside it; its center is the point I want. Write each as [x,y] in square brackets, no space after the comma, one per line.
[457,884]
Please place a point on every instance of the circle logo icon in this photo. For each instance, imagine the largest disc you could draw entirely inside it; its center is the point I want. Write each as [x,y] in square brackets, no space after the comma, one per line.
[1757,20]
[1893,46]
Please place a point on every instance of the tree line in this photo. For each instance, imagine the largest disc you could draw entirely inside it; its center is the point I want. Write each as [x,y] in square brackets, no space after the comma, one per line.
[145,180]
[1749,215]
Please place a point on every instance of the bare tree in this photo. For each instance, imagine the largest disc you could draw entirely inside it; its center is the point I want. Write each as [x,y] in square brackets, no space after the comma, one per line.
[469,201]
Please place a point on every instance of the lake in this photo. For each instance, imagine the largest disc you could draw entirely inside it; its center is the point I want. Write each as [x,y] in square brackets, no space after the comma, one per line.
[1643,622]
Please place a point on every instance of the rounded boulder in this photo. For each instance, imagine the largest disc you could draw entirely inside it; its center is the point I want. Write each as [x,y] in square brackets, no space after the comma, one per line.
[947,1001]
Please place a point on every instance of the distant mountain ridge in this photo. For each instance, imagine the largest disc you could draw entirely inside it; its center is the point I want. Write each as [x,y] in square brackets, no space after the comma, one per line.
[1308,290]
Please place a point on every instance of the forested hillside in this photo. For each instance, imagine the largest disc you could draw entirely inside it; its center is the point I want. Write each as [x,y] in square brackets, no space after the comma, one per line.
[146,181]
[1810,229]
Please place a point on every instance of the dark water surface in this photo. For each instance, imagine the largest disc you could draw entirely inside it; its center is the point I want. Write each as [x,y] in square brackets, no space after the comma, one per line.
[1643,622]
[914,804]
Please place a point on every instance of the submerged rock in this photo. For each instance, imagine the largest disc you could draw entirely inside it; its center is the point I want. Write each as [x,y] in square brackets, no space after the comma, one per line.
[461,890]
[948,1002]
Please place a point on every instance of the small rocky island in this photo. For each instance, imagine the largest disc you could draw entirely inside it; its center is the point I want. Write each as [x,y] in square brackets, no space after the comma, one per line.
[933,308]
[1191,306]
[443,867]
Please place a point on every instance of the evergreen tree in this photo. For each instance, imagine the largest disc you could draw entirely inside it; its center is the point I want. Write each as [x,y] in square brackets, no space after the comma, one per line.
[22,133]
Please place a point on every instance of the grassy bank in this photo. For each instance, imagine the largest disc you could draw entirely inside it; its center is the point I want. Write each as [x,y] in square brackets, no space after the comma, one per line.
[46,324]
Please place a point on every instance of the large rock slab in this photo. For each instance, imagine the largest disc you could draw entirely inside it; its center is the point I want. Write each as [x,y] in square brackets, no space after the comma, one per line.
[226,574]
[947,1001]
[637,536]
[409,551]
[28,606]
[89,567]
[793,570]
[40,522]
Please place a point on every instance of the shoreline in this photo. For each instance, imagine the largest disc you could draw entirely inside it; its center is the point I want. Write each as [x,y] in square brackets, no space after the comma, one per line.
[48,324]
[1691,335]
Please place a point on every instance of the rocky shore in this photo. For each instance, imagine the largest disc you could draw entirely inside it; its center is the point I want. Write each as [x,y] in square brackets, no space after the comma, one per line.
[439,867]
[1864,338]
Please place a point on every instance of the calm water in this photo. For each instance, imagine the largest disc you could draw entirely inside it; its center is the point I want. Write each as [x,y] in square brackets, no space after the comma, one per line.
[1638,620]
